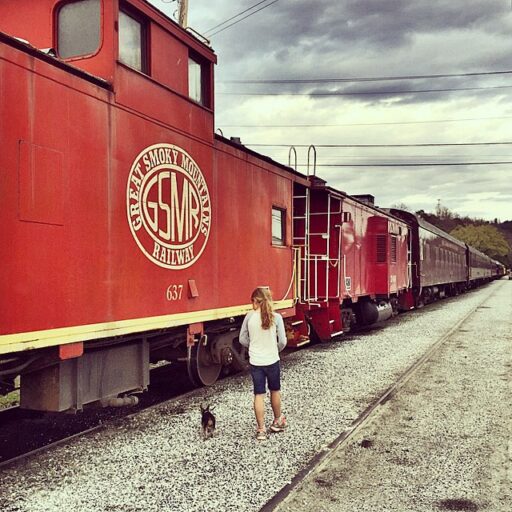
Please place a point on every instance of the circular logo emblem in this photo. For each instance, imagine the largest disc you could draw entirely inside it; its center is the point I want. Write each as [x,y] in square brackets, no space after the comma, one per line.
[168,206]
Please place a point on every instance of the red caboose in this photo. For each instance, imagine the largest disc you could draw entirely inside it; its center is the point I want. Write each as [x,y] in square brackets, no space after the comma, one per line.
[129,230]
[354,266]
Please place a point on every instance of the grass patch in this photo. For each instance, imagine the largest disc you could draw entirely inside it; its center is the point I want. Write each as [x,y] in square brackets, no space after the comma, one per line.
[11,398]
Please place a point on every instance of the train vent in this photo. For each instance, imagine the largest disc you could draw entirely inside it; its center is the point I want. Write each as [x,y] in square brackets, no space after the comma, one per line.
[393,249]
[366,199]
[381,248]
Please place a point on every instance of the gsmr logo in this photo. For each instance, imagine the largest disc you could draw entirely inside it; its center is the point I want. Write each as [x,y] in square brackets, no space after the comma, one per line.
[168,206]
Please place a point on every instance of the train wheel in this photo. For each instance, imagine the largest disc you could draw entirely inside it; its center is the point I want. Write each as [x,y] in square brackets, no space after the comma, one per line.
[203,370]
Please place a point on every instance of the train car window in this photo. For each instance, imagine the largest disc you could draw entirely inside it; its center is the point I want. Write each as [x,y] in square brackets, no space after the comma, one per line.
[278,226]
[132,42]
[393,248]
[198,80]
[381,248]
[195,90]
[78,28]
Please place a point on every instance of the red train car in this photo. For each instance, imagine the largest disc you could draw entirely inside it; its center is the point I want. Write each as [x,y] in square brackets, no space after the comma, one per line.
[123,215]
[353,261]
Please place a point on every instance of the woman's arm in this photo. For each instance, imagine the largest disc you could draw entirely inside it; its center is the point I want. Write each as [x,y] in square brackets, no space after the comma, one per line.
[243,337]
[281,333]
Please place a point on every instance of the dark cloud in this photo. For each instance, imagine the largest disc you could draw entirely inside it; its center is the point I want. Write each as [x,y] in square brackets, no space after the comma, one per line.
[303,39]
[371,25]
[365,38]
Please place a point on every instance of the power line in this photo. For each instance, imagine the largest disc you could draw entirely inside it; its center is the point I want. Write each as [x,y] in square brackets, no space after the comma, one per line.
[362,93]
[428,144]
[363,124]
[366,79]
[241,19]
[235,16]
[420,164]
[403,158]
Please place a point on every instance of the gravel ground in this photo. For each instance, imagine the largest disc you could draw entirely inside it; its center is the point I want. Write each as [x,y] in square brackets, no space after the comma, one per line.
[23,431]
[157,460]
[444,442]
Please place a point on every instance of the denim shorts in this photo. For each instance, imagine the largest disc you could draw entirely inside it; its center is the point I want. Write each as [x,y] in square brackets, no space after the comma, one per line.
[263,374]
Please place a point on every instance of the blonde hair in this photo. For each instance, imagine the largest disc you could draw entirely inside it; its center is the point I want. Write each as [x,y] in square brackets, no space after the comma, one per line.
[263,298]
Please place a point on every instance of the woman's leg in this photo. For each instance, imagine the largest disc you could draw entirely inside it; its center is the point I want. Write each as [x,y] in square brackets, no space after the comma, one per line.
[258,379]
[275,401]
[274,384]
[259,410]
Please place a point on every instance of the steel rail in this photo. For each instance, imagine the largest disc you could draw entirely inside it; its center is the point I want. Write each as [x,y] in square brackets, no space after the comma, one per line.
[61,442]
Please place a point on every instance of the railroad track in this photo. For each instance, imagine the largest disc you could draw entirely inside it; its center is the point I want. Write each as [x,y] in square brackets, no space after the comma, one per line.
[44,431]
[24,433]
[366,416]
[218,476]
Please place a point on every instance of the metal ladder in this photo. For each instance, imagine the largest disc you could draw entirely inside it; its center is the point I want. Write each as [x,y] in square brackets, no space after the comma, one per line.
[308,264]
[302,242]
[324,258]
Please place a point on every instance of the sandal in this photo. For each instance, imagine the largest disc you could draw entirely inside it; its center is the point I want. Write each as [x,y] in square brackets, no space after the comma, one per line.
[261,434]
[278,425]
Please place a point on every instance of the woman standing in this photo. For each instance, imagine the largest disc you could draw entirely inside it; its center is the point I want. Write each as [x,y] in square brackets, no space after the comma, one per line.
[263,332]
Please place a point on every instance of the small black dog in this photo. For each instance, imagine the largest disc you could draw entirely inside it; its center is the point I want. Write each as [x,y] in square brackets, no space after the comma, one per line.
[207,422]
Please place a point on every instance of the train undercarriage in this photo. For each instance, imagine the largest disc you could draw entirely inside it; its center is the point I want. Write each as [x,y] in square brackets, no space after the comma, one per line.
[113,371]
[110,372]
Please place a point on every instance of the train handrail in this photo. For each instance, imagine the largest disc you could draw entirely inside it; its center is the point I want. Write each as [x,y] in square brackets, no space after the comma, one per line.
[314,159]
[292,148]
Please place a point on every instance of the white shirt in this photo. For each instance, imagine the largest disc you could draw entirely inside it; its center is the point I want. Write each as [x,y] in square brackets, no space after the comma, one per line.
[264,344]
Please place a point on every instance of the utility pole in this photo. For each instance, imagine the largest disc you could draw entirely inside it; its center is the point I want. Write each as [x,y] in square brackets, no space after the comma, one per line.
[183,13]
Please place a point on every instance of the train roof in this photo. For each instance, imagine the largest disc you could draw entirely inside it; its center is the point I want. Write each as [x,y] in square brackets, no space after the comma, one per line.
[434,229]
[414,219]
[479,253]
[315,181]
[320,183]
[362,202]
[239,146]
[47,56]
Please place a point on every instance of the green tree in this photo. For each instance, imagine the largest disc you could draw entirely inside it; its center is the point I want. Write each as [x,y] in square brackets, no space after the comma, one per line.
[485,238]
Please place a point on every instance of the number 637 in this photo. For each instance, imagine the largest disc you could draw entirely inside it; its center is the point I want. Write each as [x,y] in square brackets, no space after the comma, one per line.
[174,292]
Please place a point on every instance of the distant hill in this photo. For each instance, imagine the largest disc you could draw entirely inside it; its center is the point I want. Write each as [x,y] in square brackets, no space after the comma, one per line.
[506,228]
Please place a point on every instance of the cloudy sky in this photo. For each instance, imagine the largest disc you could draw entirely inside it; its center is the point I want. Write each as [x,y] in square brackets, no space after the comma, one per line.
[287,75]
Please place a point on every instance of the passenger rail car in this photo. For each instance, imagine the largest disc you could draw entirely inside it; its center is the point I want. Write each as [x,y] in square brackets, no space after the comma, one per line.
[441,264]
[438,260]
[481,268]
